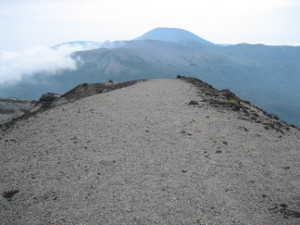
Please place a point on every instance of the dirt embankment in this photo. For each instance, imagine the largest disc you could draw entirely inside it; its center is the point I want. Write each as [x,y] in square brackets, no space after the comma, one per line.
[226,99]
[49,100]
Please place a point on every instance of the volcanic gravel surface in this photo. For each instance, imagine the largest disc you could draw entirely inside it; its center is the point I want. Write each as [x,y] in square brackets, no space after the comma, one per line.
[162,151]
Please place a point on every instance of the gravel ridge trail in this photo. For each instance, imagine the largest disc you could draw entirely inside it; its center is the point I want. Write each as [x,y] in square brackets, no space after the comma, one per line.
[144,155]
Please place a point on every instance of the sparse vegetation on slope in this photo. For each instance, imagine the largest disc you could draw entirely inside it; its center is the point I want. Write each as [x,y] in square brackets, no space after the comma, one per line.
[11,108]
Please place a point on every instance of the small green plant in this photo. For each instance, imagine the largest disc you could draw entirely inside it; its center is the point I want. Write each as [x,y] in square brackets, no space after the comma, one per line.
[232,101]
[47,97]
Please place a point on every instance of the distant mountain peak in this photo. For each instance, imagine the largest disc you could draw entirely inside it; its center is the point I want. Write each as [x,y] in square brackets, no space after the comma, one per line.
[176,35]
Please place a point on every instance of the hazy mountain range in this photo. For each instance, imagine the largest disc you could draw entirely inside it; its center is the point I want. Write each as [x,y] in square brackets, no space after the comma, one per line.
[267,76]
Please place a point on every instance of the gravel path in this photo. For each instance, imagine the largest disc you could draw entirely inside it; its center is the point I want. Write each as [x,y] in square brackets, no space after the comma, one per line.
[143,155]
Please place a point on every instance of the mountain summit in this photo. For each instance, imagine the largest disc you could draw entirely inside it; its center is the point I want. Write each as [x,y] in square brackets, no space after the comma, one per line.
[171,35]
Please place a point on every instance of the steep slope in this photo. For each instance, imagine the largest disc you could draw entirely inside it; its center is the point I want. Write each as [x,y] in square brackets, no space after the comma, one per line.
[274,79]
[173,151]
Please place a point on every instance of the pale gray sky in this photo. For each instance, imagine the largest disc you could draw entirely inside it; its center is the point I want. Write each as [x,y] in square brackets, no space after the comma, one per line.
[28,23]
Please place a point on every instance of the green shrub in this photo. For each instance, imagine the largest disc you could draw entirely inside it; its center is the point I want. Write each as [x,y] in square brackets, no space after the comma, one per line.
[47,97]
[233,101]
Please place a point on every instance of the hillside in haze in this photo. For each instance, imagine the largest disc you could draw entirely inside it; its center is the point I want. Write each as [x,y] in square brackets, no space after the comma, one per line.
[159,151]
[268,76]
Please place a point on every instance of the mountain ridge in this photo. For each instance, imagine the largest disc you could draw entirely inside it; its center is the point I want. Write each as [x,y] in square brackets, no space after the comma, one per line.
[268,76]
[215,98]
[162,151]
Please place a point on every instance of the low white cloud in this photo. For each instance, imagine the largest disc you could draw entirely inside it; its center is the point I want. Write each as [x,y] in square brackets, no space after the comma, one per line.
[17,65]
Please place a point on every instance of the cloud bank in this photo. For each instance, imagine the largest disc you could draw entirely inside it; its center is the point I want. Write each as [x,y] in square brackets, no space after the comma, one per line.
[14,66]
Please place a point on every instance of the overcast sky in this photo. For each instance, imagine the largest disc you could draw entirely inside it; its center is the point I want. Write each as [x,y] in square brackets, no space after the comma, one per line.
[28,23]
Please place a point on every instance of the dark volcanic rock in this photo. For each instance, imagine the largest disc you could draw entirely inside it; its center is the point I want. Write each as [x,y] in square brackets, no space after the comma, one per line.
[193,103]
[9,194]
[227,100]
[85,90]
